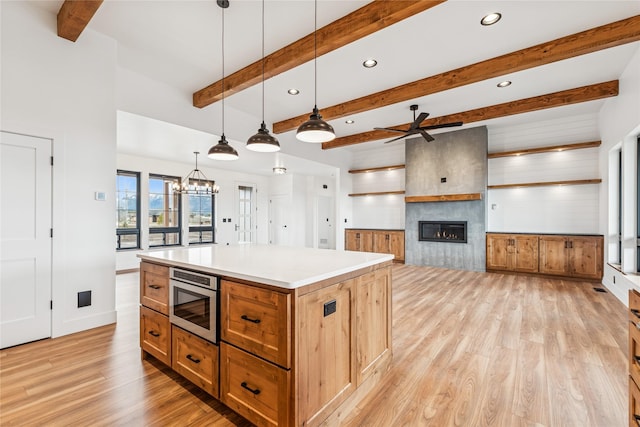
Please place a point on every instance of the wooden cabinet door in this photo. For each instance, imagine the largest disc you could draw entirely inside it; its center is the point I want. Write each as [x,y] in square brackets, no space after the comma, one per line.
[499,252]
[352,240]
[381,242]
[366,241]
[326,350]
[396,245]
[257,320]
[373,321]
[585,257]
[154,287]
[525,253]
[554,257]
[195,359]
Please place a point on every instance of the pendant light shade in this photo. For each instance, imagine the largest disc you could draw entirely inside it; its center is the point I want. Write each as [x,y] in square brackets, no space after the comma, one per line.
[262,141]
[315,129]
[222,150]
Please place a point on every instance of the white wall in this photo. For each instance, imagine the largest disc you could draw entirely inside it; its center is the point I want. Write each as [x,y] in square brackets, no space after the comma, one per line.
[57,89]
[619,122]
[225,201]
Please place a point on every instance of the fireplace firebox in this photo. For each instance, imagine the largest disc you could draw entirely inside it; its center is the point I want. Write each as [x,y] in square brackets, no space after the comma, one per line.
[442,231]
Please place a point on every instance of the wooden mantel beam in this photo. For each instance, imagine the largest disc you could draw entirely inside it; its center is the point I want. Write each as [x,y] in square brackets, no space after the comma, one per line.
[595,39]
[368,19]
[74,16]
[556,99]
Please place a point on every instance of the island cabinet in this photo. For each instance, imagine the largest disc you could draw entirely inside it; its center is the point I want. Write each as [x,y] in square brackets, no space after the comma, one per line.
[512,252]
[155,329]
[634,357]
[303,353]
[380,241]
[572,256]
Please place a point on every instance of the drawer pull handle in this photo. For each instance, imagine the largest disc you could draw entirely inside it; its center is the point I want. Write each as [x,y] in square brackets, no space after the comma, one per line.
[154,333]
[193,359]
[248,319]
[155,286]
[635,313]
[245,386]
[637,419]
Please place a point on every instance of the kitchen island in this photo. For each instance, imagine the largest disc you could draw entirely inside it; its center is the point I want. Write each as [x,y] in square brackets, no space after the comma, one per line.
[304,334]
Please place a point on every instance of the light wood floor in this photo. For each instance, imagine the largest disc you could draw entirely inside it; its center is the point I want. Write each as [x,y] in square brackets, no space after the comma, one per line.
[470,349]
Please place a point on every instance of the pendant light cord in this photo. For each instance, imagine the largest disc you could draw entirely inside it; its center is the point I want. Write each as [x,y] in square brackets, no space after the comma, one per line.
[223,71]
[262,61]
[315,54]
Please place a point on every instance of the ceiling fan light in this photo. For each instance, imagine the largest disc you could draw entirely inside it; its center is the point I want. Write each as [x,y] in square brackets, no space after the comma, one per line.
[262,141]
[222,151]
[315,129]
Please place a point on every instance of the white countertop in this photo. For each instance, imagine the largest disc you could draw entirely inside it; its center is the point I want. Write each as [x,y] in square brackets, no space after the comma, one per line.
[281,266]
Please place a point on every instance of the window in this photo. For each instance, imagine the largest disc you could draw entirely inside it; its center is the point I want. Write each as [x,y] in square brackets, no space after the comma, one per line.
[638,206]
[245,214]
[201,215]
[127,210]
[164,211]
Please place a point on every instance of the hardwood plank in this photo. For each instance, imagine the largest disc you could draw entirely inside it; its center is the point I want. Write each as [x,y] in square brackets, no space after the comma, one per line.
[466,347]
[74,16]
[550,100]
[592,40]
[549,149]
[370,18]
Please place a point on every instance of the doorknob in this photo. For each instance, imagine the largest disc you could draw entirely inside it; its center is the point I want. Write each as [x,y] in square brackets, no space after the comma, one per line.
[237,227]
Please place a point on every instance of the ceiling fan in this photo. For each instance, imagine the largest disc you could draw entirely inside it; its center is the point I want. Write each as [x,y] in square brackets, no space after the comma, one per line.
[415,127]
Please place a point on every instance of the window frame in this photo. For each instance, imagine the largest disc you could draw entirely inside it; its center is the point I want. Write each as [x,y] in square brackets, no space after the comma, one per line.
[166,230]
[199,228]
[129,231]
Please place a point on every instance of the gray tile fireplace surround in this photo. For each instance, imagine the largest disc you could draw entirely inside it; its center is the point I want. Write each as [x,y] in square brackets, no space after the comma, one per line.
[455,163]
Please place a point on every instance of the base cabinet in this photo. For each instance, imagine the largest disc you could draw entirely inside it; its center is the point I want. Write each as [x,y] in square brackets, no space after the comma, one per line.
[380,241]
[155,334]
[634,358]
[512,252]
[195,359]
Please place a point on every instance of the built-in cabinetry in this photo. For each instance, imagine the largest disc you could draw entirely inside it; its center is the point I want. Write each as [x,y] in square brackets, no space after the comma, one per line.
[558,255]
[634,358]
[286,356]
[375,240]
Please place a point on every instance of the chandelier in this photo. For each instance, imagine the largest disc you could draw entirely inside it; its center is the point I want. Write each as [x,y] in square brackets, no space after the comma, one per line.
[196,182]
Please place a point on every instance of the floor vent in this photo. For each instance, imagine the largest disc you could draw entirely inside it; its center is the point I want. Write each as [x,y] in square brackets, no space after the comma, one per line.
[600,290]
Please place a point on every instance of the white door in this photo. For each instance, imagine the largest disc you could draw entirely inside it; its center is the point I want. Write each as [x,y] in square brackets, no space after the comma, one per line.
[25,241]
[278,220]
[245,202]
[325,222]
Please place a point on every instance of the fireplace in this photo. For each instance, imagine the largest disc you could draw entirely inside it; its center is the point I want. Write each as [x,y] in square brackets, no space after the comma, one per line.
[443,231]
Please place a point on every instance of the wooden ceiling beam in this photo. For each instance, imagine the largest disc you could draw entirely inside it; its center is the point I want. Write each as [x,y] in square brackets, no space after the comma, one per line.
[551,100]
[595,39]
[368,19]
[74,16]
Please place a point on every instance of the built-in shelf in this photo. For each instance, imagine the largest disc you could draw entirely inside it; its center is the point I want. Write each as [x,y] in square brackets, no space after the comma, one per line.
[378,169]
[544,184]
[379,193]
[550,149]
[444,198]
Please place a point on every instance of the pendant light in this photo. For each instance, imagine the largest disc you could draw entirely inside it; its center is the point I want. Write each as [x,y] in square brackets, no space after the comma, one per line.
[222,150]
[262,141]
[315,129]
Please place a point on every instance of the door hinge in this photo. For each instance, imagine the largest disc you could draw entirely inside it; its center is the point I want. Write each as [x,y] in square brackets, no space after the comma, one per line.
[51,304]
[51,233]
[51,160]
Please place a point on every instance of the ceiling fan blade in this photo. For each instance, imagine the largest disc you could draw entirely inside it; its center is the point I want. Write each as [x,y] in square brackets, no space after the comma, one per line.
[419,120]
[426,136]
[443,125]
[391,130]
[395,139]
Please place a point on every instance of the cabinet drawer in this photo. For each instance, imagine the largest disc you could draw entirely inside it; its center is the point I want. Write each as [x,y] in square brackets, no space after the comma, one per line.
[634,351]
[634,404]
[257,320]
[155,334]
[154,287]
[634,306]
[254,388]
[195,359]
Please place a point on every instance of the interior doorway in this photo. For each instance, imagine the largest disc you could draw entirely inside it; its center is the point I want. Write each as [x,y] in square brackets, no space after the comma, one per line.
[246,210]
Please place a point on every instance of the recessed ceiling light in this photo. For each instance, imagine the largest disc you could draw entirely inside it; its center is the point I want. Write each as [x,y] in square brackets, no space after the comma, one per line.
[369,63]
[349,122]
[491,18]
[293,91]
[504,83]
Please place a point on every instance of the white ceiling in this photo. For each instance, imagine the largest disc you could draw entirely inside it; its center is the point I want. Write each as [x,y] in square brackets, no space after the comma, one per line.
[179,42]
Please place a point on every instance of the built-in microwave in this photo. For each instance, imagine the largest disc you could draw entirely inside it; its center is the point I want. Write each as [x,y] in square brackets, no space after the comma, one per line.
[193,302]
